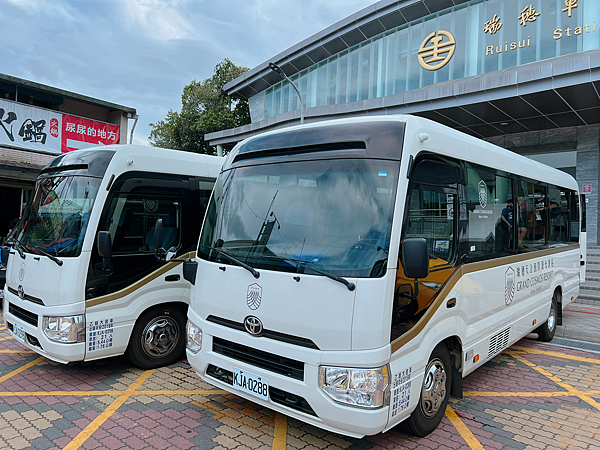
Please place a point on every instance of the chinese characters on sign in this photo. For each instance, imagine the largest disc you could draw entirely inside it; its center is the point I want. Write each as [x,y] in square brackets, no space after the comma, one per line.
[528,15]
[29,127]
[82,133]
[492,26]
[570,5]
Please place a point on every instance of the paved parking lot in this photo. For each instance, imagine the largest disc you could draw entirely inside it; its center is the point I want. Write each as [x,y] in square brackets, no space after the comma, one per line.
[531,396]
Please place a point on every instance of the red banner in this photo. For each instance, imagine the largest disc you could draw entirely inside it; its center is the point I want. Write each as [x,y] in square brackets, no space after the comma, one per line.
[80,133]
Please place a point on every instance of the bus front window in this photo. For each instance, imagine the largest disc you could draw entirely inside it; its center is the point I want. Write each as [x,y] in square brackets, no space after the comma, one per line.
[331,215]
[56,218]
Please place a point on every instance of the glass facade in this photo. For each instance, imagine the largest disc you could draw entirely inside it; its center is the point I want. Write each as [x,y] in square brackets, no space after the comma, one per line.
[474,38]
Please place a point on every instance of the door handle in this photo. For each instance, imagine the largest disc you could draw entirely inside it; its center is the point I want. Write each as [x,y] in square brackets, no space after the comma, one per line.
[451,303]
[175,277]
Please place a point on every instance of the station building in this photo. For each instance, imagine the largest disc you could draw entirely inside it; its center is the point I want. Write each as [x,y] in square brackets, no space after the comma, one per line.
[38,123]
[523,74]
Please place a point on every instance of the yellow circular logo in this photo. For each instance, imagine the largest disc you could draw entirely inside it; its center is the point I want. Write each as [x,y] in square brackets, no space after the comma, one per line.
[436,50]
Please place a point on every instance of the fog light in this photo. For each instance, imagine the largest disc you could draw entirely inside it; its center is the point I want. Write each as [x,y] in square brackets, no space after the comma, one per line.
[367,388]
[68,329]
[194,337]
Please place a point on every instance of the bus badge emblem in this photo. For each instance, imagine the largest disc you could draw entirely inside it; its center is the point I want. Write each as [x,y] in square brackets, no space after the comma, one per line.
[482,194]
[253,325]
[254,296]
[22,272]
[21,292]
[509,289]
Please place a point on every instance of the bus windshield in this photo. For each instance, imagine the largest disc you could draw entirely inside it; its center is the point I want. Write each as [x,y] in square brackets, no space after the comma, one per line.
[56,219]
[331,215]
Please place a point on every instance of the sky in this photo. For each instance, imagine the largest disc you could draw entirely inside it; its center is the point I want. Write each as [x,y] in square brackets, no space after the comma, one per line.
[141,53]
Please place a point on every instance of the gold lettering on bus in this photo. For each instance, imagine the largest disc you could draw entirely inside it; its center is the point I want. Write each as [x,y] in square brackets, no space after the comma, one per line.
[435,52]
[570,5]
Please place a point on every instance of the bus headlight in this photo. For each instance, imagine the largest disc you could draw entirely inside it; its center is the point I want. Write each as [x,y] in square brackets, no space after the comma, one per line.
[68,329]
[367,388]
[194,337]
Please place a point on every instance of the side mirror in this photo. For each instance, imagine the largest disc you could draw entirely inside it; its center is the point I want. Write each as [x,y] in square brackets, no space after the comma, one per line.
[190,268]
[5,253]
[105,250]
[415,258]
[158,234]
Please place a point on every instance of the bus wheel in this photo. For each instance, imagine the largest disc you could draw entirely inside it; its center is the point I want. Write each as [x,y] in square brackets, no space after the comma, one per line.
[546,330]
[435,394]
[158,338]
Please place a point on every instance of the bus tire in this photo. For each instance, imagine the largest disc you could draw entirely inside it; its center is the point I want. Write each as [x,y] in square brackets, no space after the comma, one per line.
[547,329]
[158,338]
[435,394]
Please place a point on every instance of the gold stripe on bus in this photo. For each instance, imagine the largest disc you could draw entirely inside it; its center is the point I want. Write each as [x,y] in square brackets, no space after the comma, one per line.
[138,284]
[462,270]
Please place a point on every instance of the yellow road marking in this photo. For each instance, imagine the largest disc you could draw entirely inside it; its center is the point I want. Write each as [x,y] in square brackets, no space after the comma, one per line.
[112,408]
[557,354]
[98,393]
[21,369]
[280,433]
[17,351]
[524,394]
[465,433]
[571,390]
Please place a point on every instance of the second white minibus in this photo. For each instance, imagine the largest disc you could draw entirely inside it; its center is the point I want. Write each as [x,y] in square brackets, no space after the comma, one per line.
[350,273]
[82,278]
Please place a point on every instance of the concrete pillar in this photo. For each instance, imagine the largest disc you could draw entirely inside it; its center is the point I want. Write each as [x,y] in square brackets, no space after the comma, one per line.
[588,163]
[219,150]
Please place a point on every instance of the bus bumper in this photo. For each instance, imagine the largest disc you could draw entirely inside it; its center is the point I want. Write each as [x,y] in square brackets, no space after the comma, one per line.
[301,399]
[23,314]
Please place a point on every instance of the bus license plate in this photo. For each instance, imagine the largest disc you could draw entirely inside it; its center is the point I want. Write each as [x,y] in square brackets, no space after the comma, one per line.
[251,384]
[19,332]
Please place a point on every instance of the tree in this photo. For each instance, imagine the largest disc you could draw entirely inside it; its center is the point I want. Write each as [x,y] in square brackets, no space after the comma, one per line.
[205,109]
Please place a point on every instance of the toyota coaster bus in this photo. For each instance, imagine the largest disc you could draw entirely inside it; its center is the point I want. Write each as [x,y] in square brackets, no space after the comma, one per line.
[362,268]
[82,278]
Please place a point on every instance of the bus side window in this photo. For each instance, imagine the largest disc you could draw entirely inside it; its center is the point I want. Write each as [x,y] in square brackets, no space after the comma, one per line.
[490,211]
[573,199]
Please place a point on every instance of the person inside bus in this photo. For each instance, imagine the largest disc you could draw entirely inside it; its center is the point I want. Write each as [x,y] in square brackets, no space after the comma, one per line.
[506,219]
[539,219]
[522,220]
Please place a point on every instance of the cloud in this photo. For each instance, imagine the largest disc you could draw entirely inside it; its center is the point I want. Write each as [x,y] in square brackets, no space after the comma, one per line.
[141,53]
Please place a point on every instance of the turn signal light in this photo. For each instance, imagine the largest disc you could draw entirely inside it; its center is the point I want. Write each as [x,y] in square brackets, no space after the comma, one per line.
[476,358]
[534,322]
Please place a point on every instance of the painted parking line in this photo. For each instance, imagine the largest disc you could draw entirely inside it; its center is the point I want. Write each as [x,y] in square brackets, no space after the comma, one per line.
[534,351]
[21,369]
[463,430]
[17,351]
[112,408]
[280,433]
[100,393]
[571,390]
[525,394]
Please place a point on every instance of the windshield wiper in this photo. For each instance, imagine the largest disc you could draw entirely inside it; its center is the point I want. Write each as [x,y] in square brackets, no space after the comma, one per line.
[45,253]
[18,247]
[236,261]
[302,263]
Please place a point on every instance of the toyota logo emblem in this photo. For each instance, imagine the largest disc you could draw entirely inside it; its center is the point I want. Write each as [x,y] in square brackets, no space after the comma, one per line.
[21,292]
[253,325]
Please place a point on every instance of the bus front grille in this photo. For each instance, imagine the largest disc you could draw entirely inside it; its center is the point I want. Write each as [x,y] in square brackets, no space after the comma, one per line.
[29,298]
[23,314]
[268,361]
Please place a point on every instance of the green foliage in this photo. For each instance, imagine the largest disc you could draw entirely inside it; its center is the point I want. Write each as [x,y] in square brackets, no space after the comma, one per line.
[205,109]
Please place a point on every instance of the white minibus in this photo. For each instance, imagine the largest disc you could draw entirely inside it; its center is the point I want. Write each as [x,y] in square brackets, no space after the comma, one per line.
[350,273]
[82,278]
